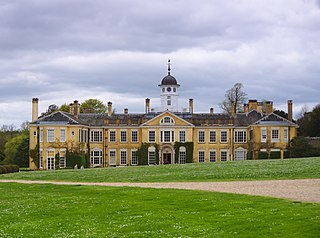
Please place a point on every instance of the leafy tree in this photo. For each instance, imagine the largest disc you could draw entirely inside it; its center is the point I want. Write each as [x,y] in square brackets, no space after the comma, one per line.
[309,124]
[7,132]
[234,95]
[64,107]
[281,113]
[300,147]
[17,150]
[96,105]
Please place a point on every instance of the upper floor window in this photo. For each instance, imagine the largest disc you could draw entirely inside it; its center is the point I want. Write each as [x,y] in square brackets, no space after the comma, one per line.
[201,136]
[240,136]
[83,135]
[134,136]
[50,135]
[285,134]
[212,136]
[224,136]
[123,136]
[112,136]
[263,135]
[41,135]
[182,136]
[152,136]
[62,135]
[96,136]
[275,135]
[167,120]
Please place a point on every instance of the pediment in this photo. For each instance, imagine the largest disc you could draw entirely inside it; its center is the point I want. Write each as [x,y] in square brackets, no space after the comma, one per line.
[273,118]
[167,119]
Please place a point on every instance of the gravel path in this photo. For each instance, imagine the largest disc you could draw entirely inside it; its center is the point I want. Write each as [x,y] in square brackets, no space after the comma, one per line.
[305,190]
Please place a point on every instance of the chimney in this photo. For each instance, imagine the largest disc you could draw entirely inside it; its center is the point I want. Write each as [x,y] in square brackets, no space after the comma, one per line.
[233,109]
[191,105]
[253,104]
[246,107]
[34,109]
[71,108]
[109,108]
[211,110]
[147,105]
[76,108]
[125,111]
[269,107]
[290,110]
[260,107]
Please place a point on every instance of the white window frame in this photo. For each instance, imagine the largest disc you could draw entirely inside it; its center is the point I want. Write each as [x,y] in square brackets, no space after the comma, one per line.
[123,157]
[134,139]
[96,135]
[204,156]
[285,134]
[41,135]
[94,156]
[112,157]
[212,156]
[224,131]
[50,165]
[182,136]
[212,136]
[167,120]
[263,132]
[223,151]
[275,139]
[63,132]
[201,136]
[151,155]
[62,158]
[50,137]
[242,138]
[40,159]
[112,138]
[123,136]
[240,150]
[153,137]
[134,161]
[182,155]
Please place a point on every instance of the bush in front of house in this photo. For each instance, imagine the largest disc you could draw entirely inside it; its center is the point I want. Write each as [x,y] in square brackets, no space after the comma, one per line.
[4,169]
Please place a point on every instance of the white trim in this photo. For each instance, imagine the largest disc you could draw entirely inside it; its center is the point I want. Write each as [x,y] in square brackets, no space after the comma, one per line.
[162,114]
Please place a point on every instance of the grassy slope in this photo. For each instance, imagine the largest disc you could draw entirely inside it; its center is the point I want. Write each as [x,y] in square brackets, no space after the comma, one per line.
[89,211]
[234,170]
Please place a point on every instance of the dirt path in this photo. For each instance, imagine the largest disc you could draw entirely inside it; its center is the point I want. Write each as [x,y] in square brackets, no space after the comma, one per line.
[305,190]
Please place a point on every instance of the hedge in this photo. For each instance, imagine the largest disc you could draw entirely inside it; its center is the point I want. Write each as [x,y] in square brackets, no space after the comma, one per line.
[4,169]
[275,155]
[262,155]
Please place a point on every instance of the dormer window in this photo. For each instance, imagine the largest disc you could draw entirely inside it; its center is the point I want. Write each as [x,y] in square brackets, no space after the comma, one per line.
[167,120]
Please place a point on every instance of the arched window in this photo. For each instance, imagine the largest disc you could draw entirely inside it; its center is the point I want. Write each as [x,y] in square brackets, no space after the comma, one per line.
[167,121]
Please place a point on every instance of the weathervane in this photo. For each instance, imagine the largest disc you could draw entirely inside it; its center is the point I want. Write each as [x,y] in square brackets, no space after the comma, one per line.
[169,66]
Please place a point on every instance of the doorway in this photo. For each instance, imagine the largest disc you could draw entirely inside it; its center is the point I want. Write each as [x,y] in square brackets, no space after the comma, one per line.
[166,158]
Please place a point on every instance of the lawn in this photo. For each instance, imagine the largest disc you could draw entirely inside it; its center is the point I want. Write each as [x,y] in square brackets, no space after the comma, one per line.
[225,171]
[92,211]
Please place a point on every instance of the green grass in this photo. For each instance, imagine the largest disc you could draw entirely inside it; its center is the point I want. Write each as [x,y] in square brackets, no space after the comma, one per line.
[225,171]
[92,211]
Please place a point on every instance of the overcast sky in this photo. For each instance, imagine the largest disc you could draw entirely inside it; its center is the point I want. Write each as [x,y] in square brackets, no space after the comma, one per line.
[117,51]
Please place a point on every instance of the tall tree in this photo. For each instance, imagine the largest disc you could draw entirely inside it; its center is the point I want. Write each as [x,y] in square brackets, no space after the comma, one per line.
[309,124]
[234,95]
[96,106]
[64,107]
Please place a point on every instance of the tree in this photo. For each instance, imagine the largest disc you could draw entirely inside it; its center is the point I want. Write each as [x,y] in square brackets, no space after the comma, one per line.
[234,95]
[281,113]
[17,150]
[300,147]
[309,124]
[96,106]
[64,108]
[7,132]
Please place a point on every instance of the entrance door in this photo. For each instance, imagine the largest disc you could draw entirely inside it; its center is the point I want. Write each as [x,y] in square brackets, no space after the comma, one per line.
[166,158]
[50,163]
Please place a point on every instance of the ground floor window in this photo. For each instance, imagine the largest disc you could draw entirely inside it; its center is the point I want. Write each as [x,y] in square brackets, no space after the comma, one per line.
[123,157]
[62,159]
[96,158]
[240,155]
[152,157]
[223,155]
[212,156]
[50,159]
[182,157]
[112,157]
[201,156]
[40,159]
[134,157]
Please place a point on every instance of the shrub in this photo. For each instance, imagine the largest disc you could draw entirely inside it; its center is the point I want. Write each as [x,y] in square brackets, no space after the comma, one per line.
[9,168]
[3,170]
[263,155]
[275,155]
[249,155]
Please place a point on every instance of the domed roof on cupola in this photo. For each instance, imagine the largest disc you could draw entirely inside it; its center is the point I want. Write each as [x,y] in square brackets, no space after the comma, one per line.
[169,79]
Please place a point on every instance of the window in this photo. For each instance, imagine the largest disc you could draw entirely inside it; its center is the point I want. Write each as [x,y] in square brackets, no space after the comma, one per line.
[123,136]
[240,136]
[96,136]
[112,157]
[134,136]
[152,157]
[134,157]
[62,135]
[201,156]
[35,133]
[40,159]
[275,137]
[83,135]
[50,135]
[182,136]
[285,134]
[167,120]
[167,136]
[123,157]
[163,90]
[201,136]
[212,136]
[62,159]
[96,158]
[263,135]
[72,133]
[50,159]
[223,136]
[223,155]
[212,157]
[41,135]
[112,136]
[240,154]
[152,136]
[182,155]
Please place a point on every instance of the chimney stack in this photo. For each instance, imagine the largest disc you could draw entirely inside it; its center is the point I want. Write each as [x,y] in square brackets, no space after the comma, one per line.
[246,107]
[147,105]
[269,107]
[35,108]
[109,108]
[211,110]
[290,110]
[125,111]
[253,104]
[233,109]
[76,108]
[191,105]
